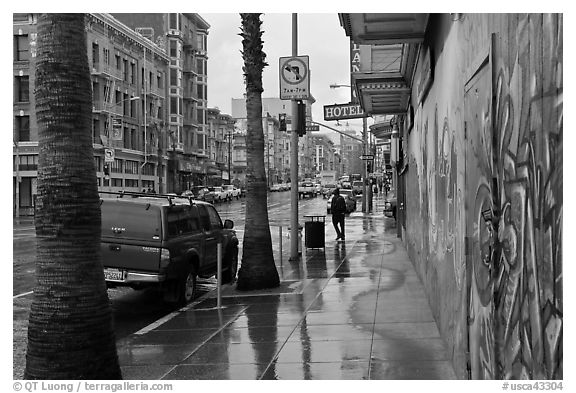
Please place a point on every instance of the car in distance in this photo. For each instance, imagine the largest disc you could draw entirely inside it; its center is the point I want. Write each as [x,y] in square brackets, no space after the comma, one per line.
[306,188]
[348,197]
[327,190]
[217,193]
[166,242]
[390,205]
[231,191]
[201,193]
[276,187]
[358,186]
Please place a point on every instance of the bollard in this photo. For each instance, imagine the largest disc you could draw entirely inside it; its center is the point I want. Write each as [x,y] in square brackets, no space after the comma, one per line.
[280,237]
[219,273]
[300,227]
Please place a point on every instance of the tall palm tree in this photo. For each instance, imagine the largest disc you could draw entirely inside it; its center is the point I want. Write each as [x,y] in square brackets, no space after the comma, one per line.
[70,333]
[258,269]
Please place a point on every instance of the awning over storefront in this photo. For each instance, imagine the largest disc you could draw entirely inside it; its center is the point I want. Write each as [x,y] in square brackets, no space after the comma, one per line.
[389,45]
[381,29]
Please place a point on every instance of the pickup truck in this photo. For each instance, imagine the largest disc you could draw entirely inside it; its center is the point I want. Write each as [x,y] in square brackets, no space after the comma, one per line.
[217,194]
[306,189]
[165,241]
[231,191]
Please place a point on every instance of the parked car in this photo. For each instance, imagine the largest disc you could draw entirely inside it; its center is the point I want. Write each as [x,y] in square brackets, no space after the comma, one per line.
[327,190]
[345,184]
[202,193]
[231,191]
[165,241]
[390,205]
[217,194]
[358,186]
[187,193]
[276,187]
[348,197]
[306,189]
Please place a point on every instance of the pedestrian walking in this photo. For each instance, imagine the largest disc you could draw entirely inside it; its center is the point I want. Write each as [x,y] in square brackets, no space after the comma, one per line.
[338,210]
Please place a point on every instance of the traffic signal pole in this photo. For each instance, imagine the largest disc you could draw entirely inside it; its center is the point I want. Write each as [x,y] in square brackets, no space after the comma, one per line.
[365,164]
[294,239]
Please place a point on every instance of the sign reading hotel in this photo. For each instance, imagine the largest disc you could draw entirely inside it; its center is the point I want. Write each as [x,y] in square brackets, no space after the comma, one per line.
[294,78]
[343,111]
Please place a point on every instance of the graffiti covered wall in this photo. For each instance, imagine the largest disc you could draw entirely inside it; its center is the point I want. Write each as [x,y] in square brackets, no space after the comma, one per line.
[500,297]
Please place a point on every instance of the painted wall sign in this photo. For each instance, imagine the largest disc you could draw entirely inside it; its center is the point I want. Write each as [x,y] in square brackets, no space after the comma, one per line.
[343,111]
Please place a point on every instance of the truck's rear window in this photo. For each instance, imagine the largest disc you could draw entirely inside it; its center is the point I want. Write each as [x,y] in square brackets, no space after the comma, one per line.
[131,221]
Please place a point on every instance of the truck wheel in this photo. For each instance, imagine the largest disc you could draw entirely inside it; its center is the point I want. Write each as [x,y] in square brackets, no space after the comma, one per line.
[231,263]
[186,287]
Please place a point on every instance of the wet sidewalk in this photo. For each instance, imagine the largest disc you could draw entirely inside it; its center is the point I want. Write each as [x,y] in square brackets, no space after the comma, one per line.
[354,310]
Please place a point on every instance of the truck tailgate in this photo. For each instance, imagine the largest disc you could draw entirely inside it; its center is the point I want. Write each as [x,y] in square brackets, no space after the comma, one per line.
[130,257]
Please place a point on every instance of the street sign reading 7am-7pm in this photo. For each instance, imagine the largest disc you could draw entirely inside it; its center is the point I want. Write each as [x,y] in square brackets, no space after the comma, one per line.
[294,78]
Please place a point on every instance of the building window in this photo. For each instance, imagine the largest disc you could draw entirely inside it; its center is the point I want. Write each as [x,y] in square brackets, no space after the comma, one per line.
[174,105]
[118,62]
[126,106]
[131,183]
[22,89]
[174,25]
[21,48]
[200,92]
[173,77]
[200,66]
[95,54]
[23,128]
[148,169]
[116,166]
[125,70]
[28,163]
[132,73]
[159,81]
[200,116]
[173,48]
[131,167]
[97,163]
[127,140]
[133,140]
[106,53]
[95,131]
[116,182]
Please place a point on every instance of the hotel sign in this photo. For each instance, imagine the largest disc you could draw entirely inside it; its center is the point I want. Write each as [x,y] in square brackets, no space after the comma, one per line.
[343,111]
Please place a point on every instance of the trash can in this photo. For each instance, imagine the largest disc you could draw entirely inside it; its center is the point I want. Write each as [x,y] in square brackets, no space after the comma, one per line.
[314,232]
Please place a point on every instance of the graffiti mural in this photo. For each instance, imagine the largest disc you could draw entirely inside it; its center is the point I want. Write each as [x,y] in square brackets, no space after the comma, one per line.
[486,232]
[528,265]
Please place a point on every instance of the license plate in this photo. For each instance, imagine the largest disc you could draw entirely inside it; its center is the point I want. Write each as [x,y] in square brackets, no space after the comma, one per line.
[113,274]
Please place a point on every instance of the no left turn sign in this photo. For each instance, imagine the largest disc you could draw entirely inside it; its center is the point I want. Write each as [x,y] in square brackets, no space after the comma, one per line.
[108,155]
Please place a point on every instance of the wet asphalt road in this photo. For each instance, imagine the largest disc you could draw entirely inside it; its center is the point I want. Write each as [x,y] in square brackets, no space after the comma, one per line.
[134,310]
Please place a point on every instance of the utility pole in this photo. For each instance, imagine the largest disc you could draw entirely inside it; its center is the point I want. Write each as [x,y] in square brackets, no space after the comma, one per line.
[230,136]
[17,178]
[365,163]
[294,256]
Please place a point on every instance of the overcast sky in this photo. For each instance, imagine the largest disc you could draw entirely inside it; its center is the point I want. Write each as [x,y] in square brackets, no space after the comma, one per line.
[320,36]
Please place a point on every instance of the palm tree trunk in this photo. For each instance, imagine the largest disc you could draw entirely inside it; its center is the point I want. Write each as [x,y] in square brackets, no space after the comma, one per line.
[70,333]
[258,269]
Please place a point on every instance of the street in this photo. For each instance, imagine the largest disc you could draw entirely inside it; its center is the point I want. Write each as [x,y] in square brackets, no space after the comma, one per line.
[134,310]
